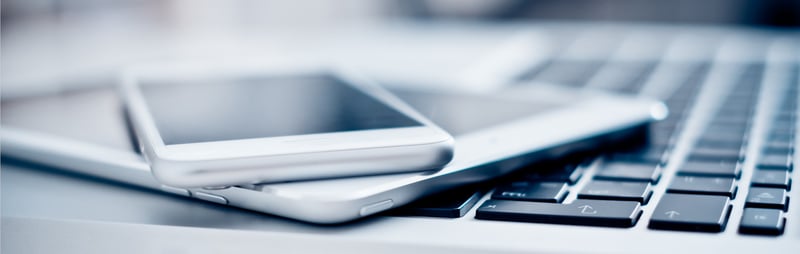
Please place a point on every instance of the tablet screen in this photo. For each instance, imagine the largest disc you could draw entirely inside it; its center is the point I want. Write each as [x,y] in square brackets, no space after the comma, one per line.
[96,115]
[461,113]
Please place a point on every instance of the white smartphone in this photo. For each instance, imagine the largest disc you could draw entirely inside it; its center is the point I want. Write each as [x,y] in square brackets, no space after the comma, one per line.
[84,131]
[199,125]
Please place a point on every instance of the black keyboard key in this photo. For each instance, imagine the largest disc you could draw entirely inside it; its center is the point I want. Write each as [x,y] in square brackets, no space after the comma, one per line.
[771,178]
[724,186]
[712,153]
[624,171]
[541,192]
[647,155]
[569,173]
[786,113]
[775,161]
[718,168]
[783,125]
[644,157]
[767,198]
[743,109]
[762,221]
[613,190]
[691,212]
[772,147]
[738,120]
[722,136]
[449,204]
[781,136]
[580,212]
[777,149]
[732,129]
[730,144]
[783,130]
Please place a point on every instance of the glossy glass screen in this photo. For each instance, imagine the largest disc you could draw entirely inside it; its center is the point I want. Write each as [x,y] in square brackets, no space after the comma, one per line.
[194,111]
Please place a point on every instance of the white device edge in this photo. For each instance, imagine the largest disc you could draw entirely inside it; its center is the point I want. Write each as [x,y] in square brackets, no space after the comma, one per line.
[408,149]
[289,200]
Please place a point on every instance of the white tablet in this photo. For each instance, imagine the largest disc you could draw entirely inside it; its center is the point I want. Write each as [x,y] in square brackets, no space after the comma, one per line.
[84,131]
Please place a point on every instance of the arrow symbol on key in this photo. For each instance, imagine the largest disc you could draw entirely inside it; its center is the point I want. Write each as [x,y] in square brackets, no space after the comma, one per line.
[672,214]
[765,195]
[587,209]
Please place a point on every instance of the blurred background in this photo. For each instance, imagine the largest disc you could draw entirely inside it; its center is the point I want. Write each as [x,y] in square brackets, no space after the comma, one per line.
[50,41]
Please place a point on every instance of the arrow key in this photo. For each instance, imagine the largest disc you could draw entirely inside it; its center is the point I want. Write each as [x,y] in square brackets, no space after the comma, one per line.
[615,190]
[767,198]
[691,213]
[771,178]
[581,212]
[703,185]
[762,221]
[539,192]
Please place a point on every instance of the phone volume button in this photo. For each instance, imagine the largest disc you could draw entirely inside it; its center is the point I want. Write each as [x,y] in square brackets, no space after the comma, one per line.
[376,207]
[177,191]
[210,197]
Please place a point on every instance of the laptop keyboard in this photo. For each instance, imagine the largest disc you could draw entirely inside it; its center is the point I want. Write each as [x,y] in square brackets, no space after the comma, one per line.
[614,189]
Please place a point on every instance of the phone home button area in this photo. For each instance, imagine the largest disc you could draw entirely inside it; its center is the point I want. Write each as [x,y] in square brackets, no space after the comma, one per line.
[376,207]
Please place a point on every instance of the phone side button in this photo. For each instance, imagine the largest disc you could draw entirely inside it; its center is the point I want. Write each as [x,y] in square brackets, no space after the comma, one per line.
[176,191]
[210,197]
[376,207]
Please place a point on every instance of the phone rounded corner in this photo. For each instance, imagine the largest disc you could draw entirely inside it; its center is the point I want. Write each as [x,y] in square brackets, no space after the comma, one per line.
[436,153]
[166,175]
[445,151]
[171,172]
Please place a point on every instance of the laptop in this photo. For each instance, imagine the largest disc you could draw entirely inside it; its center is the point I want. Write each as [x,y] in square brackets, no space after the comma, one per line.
[715,176]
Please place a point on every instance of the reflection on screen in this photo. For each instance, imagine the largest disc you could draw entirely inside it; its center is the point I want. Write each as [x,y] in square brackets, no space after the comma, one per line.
[460,114]
[217,110]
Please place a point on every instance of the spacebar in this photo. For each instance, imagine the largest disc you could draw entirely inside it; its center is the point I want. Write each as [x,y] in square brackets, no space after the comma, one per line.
[580,212]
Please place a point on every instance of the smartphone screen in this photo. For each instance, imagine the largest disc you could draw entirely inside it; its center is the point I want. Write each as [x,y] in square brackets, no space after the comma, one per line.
[195,111]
